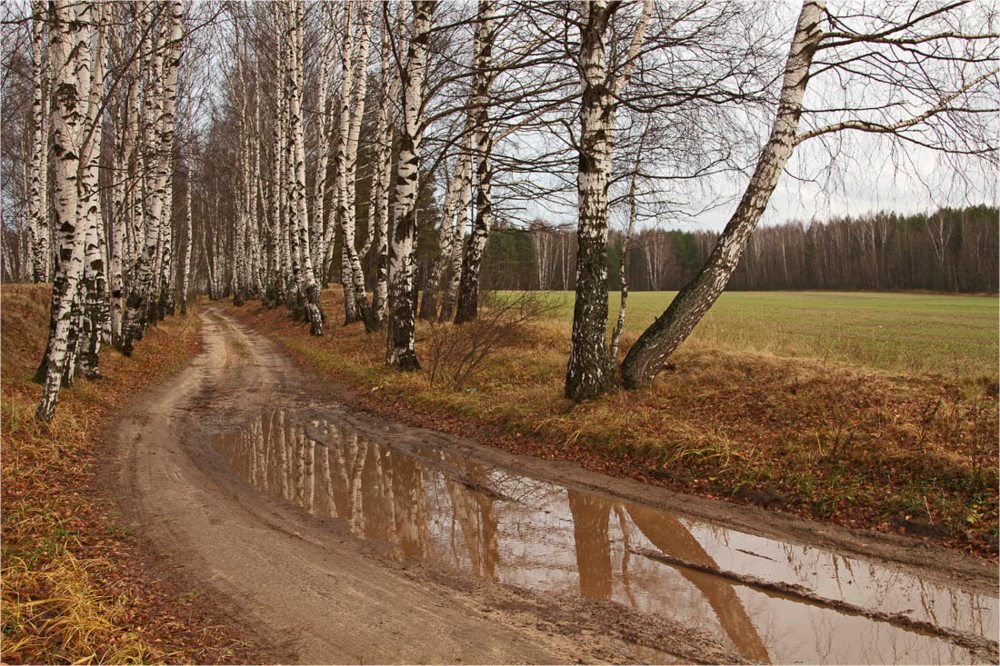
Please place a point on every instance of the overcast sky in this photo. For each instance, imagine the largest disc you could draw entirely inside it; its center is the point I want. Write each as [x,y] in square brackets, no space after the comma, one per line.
[866,182]
[867,174]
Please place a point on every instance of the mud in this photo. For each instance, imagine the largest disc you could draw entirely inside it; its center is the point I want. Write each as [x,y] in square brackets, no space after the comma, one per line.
[354,539]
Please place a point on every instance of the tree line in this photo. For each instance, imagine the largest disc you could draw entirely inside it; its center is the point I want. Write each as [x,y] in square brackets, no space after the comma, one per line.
[951,250]
[264,150]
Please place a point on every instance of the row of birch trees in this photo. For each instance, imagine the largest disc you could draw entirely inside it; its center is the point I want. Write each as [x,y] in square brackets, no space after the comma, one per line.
[332,140]
[598,105]
[100,177]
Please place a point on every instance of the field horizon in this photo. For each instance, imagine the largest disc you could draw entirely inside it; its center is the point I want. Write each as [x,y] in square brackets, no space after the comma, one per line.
[953,335]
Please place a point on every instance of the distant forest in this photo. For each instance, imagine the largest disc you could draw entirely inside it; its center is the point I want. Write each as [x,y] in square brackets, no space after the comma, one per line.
[953,250]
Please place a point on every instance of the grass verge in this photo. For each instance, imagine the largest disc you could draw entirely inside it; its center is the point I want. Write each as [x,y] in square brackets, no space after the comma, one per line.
[840,442]
[76,588]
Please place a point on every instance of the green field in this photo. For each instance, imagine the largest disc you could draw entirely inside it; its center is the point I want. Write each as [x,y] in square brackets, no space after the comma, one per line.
[955,336]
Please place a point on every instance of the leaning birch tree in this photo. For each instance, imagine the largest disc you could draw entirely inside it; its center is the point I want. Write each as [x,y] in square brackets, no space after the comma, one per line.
[929,58]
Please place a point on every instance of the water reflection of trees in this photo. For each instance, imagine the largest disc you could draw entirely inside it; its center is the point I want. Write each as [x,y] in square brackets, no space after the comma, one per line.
[380,493]
[503,526]
[386,495]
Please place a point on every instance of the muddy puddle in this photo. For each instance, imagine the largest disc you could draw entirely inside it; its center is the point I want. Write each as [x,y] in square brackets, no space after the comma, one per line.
[772,601]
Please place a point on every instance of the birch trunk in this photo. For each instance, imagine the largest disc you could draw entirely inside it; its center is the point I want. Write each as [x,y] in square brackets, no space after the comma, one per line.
[400,353]
[305,278]
[650,352]
[623,263]
[348,209]
[165,305]
[588,371]
[69,39]
[344,118]
[213,293]
[38,199]
[188,231]
[450,293]
[323,150]
[119,216]
[142,293]
[385,124]
[446,236]
[468,294]
[275,294]
[243,265]
[284,151]
[255,260]
[95,288]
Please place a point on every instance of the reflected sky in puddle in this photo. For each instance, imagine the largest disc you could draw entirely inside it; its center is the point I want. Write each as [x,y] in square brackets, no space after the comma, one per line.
[513,529]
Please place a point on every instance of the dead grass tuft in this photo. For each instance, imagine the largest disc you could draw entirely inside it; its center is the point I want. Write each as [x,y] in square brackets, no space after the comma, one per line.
[62,599]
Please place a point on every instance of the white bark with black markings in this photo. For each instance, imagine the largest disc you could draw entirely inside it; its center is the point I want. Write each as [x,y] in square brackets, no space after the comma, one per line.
[384,129]
[467,307]
[305,279]
[68,44]
[400,352]
[94,289]
[158,138]
[352,110]
[38,198]
[588,371]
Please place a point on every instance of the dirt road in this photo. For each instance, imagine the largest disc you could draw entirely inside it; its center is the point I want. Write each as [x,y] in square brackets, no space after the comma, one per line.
[340,538]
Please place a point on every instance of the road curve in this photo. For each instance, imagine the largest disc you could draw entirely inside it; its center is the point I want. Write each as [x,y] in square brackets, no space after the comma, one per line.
[307,584]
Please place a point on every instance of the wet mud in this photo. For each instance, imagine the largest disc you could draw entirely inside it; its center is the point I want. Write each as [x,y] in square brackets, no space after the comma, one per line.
[348,538]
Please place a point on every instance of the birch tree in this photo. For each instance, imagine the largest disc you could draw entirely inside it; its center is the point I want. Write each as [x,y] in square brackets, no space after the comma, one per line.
[468,293]
[633,210]
[188,227]
[323,102]
[449,294]
[69,44]
[932,59]
[448,235]
[589,372]
[305,278]
[384,130]
[348,46]
[278,255]
[158,141]
[38,200]
[400,353]
[352,111]
[94,289]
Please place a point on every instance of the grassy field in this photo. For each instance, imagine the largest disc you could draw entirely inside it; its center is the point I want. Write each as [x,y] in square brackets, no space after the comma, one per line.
[868,410]
[954,336]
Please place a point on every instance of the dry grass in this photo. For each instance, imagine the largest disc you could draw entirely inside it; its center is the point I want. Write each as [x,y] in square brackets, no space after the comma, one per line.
[64,599]
[826,439]
[71,593]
